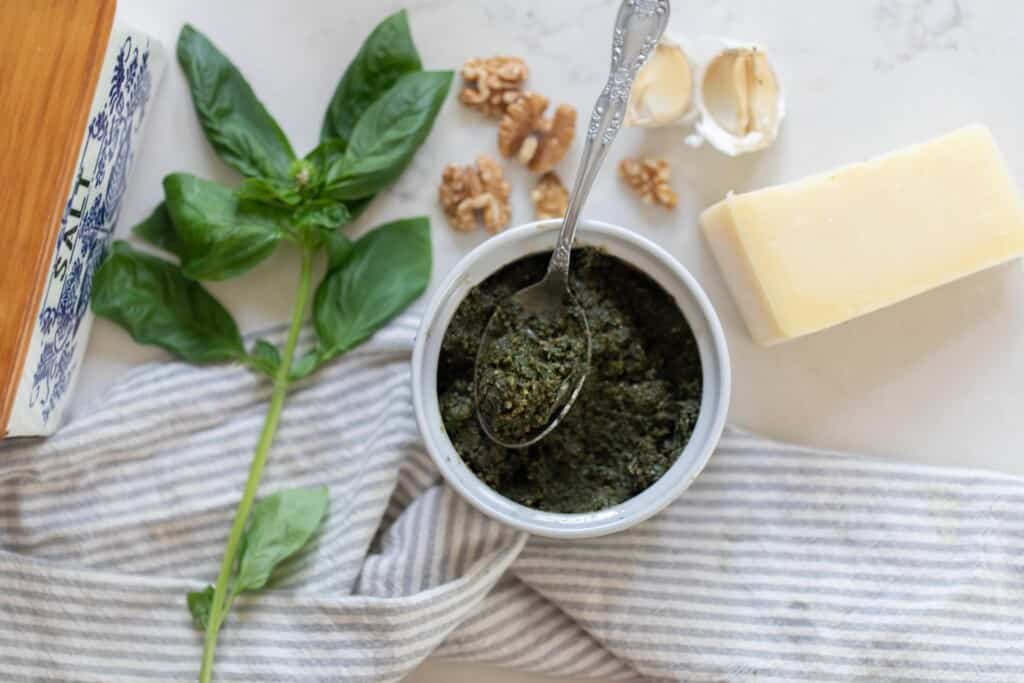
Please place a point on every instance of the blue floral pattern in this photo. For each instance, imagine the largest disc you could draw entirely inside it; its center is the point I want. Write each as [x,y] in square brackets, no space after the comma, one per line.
[85,231]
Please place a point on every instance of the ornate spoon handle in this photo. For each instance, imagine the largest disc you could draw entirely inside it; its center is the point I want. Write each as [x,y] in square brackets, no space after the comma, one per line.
[638,28]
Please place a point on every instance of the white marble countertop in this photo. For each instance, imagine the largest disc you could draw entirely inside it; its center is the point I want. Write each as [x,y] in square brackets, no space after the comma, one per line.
[938,379]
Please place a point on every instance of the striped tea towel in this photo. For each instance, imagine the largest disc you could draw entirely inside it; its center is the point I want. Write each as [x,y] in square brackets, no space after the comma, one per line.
[779,564]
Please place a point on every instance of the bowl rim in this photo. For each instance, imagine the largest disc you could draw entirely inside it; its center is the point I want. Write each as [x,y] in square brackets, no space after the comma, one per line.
[571,525]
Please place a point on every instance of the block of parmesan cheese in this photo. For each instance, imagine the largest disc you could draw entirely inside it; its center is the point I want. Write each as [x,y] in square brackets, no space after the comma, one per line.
[811,254]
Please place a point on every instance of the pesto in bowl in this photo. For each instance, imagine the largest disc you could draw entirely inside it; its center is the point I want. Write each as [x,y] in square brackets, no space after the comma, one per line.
[635,414]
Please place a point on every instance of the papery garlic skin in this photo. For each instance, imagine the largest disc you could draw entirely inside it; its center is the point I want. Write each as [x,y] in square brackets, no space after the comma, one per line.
[662,92]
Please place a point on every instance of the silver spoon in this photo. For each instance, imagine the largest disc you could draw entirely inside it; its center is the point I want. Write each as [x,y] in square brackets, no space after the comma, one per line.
[544,313]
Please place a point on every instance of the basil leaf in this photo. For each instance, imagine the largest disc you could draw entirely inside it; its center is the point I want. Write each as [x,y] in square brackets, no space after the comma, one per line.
[339,248]
[322,157]
[325,214]
[199,604]
[306,176]
[356,207]
[387,269]
[264,358]
[305,366]
[326,155]
[269,191]
[157,305]
[237,124]
[387,54]
[279,526]
[219,239]
[158,230]
[388,135]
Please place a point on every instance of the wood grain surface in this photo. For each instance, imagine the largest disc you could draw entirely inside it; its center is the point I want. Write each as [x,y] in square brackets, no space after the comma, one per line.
[51,52]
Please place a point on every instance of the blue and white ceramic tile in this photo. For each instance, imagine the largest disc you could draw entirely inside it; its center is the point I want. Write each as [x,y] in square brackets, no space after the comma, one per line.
[131,70]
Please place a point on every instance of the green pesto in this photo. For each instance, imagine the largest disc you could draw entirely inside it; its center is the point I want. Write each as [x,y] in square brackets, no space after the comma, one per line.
[528,368]
[637,409]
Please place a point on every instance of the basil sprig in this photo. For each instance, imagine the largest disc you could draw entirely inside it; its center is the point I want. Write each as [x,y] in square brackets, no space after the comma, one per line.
[381,112]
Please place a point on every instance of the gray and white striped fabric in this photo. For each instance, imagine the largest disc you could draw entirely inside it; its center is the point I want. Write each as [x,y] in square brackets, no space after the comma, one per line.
[779,564]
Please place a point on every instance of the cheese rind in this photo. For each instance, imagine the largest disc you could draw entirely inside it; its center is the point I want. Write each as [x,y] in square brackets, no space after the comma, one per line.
[807,255]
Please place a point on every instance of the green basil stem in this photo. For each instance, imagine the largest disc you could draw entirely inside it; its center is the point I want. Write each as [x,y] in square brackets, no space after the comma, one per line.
[221,599]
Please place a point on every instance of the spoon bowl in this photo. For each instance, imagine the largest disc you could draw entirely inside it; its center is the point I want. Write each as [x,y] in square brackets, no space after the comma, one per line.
[518,405]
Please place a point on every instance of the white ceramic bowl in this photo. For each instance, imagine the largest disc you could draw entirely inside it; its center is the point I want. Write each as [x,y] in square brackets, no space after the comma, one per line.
[666,271]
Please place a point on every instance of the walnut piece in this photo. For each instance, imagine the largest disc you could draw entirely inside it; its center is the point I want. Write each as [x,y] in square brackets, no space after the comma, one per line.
[649,178]
[492,84]
[550,198]
[537,141]
[470,193]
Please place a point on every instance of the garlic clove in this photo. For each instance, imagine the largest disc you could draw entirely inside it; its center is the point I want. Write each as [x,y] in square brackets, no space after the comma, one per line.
[739,98]
[765,103]
[662,92]
[740,91]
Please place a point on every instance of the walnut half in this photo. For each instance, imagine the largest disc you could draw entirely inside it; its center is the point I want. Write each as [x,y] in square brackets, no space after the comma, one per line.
[470,193]
[537,141]
[492,84]
[550,198]
[649,178]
